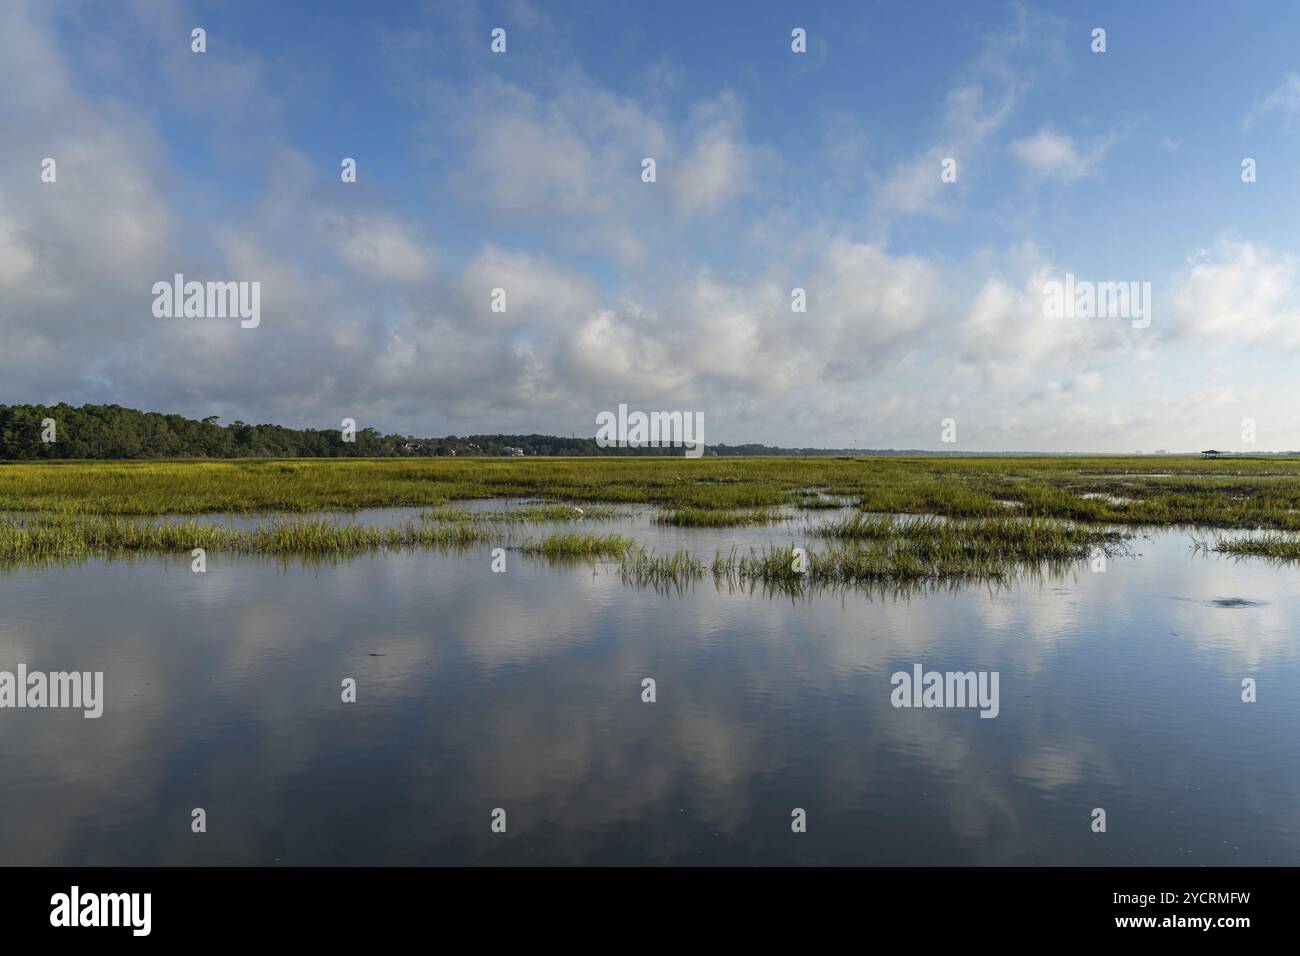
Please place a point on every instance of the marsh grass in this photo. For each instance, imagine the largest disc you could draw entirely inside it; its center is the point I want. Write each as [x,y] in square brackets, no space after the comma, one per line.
[1225,493]
[920,519]
[528,514]
[876,550]
[72,537]
[63,537]
[1282,548]
[983,540]
[578,546]
[871,563]
[822,504]
[714,518]
[668,573]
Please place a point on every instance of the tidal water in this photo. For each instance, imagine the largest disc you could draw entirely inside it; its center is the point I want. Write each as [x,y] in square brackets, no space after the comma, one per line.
[522,691]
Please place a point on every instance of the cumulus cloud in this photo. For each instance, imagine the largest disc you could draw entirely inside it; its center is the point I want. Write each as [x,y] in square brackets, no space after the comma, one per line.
[539,294]
[718,164]
[869,302]
[73,253]
[569,161]
[1048,154]
[1007,327]
[1238,292]
[675,294]
[384,248]
[614,354]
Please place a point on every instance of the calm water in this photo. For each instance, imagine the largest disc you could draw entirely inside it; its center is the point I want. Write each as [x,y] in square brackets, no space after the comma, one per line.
[522,691]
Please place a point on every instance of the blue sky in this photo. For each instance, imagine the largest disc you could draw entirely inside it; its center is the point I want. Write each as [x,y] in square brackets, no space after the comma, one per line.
[774,170]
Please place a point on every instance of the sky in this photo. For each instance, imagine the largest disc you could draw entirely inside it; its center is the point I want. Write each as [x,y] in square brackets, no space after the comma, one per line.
[924,324]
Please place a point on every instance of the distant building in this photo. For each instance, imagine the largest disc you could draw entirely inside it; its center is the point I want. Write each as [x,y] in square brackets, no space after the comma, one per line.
[513,452]
[1213,453]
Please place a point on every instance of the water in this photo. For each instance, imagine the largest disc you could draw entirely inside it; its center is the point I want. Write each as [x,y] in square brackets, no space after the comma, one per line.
[522,691]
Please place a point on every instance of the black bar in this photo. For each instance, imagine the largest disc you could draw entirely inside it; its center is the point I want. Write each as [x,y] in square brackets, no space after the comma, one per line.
[977,906]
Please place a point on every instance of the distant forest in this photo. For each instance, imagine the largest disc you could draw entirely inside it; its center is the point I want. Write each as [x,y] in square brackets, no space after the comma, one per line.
[113,432]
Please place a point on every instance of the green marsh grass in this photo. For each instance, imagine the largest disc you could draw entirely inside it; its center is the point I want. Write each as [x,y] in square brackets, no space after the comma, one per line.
[571,546]
[665,573]
[72,538]
[870,563]
[528,514]
[1275,547]
[1002,538]
[75,537]
[918,519]
[1169,490]
[716,518]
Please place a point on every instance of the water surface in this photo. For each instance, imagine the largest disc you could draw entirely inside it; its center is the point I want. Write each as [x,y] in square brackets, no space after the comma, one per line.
[522,691]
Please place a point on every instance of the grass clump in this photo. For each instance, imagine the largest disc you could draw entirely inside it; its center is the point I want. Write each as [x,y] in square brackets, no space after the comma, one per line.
[60,538]
[664,572]
[716,518]
[838,565]
[1276,547]
[562,546]
[985,540]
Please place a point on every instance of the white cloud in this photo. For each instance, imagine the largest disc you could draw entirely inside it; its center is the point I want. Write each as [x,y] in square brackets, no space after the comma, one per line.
[1006,325]
[567,162]
[676,293]
[615,354]
[539,294]
[16,258]
[975,108]
[719,163]
[868,301]
[1085,383]
[1051,155]
[384,248]
[1285,98]
[1238,292]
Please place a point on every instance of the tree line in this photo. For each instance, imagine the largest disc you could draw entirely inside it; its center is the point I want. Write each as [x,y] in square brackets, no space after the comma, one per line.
[114,432]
